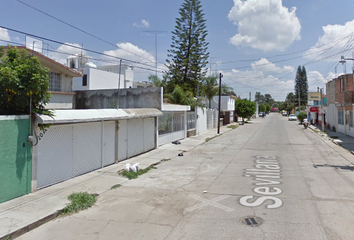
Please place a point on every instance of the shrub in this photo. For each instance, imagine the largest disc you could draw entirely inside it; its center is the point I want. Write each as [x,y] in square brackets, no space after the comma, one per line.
[301,116]
[79,201]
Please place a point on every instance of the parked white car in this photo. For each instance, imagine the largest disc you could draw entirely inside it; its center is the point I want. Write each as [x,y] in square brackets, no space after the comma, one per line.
[292,117]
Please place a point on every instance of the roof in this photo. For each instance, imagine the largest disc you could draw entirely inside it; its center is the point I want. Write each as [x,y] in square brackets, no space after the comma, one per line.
[48,62]
[175,107]
[96,115]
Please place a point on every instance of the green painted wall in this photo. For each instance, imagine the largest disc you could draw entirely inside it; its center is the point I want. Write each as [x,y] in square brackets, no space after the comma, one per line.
[15,157]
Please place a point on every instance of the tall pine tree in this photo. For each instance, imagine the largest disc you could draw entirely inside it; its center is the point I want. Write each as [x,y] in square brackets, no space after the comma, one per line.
[301,85]
[189,50]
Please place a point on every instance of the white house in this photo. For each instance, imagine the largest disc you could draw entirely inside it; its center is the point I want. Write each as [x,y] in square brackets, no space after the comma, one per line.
[227,107]
[97,79]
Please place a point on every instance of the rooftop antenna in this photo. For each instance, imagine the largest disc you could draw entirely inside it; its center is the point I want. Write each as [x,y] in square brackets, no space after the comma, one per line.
[34,44]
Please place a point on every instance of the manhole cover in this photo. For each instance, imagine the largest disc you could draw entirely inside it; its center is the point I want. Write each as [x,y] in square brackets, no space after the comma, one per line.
[252,221]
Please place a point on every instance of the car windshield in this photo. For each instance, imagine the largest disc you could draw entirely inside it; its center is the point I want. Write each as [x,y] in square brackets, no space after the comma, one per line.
[292,115]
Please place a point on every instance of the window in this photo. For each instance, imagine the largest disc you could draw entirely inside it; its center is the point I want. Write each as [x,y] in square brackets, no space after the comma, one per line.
[84,80]
[54,81]
[351,123]
[340,118]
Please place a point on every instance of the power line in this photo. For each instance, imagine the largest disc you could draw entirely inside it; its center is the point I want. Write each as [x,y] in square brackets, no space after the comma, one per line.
[96,59]
[83,31]
[85,49]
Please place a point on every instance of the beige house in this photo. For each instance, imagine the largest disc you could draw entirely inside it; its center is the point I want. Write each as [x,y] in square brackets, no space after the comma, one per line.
[60,80]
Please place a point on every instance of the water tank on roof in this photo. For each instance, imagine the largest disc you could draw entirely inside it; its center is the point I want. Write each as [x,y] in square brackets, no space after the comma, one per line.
[90,65]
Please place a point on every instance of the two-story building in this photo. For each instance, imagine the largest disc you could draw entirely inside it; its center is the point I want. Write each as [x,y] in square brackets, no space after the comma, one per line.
[60,81]
[340,102]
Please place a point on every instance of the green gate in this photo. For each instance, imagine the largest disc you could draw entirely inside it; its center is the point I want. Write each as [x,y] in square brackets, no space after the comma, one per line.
[15,157]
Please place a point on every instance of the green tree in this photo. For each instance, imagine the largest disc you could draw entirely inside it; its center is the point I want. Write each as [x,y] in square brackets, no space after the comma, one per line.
[22,80]
[245,108]
[210,88]
[189,49]
[267,107]
[262,107]
[158,82]
[268,99]
[179,96]
[301,116]
[258,97]
[227,90]
[290,98]
[301,85]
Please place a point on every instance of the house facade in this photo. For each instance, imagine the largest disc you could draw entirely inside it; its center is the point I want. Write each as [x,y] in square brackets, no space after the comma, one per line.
[340,100]
[60,81]
[227,107]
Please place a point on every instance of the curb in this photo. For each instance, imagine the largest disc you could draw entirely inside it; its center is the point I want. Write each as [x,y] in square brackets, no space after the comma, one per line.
[30,227]
[17,233]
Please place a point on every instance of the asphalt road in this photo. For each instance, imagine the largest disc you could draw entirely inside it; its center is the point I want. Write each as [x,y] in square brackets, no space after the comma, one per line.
[268,179]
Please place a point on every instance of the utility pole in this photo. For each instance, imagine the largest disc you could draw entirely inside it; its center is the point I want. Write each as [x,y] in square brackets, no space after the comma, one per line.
[250,96]
[299,97]
[155,33]
[322,112]
[211,58]
[120,68]
[219,103]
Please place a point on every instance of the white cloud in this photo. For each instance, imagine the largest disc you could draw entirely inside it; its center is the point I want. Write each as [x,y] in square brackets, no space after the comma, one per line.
[264,79]
[264,65]
[266,25]
[64,51]
[334,38]
[131,52]
[144,23]
[316,79]
[4,35]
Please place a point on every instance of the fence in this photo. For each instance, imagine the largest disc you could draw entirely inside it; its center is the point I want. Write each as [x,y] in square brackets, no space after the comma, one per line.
[191,120]
[212,118]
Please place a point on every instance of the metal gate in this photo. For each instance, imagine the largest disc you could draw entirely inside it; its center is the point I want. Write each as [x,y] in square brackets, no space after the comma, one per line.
[66,151]
[171,127]
[135,136]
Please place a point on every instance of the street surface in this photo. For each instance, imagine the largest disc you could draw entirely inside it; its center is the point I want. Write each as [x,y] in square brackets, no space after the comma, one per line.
[268,179]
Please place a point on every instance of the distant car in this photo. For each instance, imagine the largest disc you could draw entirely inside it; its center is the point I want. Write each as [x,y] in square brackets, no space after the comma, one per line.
[292,117]
[284,114]
[261,114]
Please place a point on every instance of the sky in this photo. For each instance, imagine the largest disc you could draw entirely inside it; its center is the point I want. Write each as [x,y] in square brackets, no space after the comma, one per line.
[257,45]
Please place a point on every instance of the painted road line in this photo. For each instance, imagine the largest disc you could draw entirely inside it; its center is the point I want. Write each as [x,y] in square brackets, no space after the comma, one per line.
[212,202]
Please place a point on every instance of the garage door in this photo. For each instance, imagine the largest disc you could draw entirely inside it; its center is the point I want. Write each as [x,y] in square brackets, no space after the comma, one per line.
[66,151]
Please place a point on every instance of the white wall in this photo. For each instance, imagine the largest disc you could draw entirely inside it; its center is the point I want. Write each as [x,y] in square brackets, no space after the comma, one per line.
[98,79]
[227,103]
[201,121]
[331,116]
[60,101]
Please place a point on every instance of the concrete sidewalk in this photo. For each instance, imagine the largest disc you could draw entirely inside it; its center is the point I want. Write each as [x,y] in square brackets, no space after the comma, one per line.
[25,213]
[345,143]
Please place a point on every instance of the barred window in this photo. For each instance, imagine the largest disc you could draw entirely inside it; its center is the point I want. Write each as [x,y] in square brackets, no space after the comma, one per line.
[54,81]
[340,118]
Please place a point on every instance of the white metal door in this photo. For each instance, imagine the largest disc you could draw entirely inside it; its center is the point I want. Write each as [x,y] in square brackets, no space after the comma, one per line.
[55,155]
[122,140]
[109,132]
[149,134]
[87,147]
[135,137]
